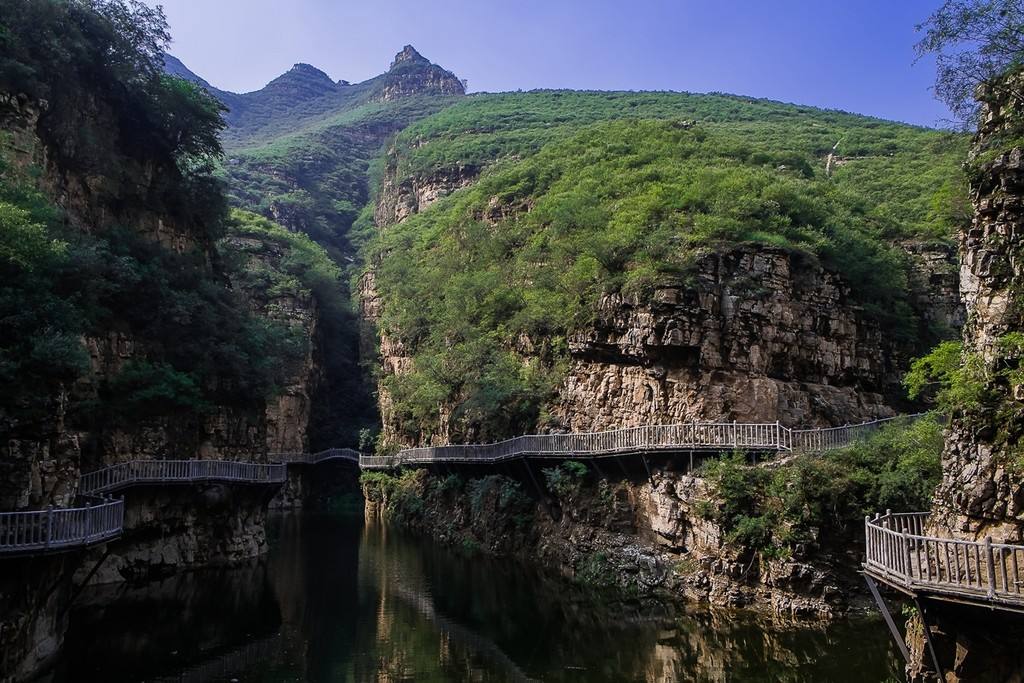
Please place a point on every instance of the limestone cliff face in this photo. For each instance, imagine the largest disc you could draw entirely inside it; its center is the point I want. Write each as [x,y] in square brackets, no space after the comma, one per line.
[761,335]
[981,492]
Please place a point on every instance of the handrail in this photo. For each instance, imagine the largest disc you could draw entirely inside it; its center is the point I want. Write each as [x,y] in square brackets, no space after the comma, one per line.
[298,458]
[58,529]
[717,436]
[899,553]
[179,471]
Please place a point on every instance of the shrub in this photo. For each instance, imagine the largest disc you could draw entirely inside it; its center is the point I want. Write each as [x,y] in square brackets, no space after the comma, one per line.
[815,496]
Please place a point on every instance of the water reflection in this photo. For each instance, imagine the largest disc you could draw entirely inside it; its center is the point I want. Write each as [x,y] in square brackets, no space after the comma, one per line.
[340,601]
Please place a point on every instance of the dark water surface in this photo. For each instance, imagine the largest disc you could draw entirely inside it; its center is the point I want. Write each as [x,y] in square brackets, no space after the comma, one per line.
[340,601]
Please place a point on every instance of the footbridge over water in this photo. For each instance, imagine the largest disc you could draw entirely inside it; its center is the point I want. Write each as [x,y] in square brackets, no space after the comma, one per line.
[98,517]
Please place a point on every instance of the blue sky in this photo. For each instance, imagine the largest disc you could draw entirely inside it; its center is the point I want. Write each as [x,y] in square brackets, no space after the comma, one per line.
[855,55]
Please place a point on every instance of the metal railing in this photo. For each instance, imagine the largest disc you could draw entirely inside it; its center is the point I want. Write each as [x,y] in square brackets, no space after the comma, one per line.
[716,436]
[294,458]
[899,553]
[56,529]
[179,471]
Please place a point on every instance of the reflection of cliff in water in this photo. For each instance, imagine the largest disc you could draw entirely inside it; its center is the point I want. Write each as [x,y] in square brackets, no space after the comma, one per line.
[339,601]
[555,632]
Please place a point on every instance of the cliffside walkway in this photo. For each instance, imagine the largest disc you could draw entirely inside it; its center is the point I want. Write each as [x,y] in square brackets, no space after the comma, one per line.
[296,458]
[902,556]
[696,436]
[61,529]
[101,518]
[138,472]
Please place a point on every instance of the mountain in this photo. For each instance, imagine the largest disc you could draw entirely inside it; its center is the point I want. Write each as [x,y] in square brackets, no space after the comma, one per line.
[299,148]
[299,152]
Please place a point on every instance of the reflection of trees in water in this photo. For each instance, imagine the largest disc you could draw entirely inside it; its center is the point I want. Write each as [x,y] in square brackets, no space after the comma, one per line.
[557,632]
[400,586]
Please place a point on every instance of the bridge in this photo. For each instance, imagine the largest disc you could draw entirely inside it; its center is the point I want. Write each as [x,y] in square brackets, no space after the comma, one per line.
[101,519]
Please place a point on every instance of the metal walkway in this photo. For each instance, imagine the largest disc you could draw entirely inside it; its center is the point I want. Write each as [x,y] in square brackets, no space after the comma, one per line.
[695,436]
[59,529]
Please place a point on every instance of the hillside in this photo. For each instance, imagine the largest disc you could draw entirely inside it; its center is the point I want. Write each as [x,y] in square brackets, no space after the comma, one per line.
[573,197]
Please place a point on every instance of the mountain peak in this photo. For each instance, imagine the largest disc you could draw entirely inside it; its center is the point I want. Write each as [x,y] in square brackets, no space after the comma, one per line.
[409,55]
[309,71]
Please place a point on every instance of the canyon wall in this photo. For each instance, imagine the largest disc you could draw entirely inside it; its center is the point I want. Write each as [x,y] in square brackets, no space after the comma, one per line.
[648,538]
[982,488]
[41,460]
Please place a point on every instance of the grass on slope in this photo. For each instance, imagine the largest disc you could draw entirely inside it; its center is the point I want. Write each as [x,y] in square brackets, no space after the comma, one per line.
[619,205]
[908,175]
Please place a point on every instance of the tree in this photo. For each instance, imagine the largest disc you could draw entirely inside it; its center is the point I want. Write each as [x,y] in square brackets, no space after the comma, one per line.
[974,42]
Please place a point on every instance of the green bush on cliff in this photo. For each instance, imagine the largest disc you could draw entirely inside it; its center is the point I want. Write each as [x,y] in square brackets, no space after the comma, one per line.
[768,509]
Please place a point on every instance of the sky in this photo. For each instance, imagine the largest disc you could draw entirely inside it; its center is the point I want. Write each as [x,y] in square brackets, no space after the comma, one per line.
[855,55]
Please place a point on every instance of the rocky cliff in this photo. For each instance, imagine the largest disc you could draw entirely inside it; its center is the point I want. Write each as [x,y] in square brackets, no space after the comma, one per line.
[412,74]
[41,458]
[982,489]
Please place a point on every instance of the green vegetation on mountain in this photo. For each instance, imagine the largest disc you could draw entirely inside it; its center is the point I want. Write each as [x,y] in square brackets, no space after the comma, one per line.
[316,179]
[567,210]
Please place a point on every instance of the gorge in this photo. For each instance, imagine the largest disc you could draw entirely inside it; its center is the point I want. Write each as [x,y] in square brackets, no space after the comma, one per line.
[318,282]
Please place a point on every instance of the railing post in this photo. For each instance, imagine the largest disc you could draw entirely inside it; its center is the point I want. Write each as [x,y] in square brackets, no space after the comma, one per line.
[908,571]
[49,524]
[991,567]
[735,436]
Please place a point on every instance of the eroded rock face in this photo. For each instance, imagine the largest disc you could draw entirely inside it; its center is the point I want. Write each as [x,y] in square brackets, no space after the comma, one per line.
[981,491]
[412,74]
[761,336]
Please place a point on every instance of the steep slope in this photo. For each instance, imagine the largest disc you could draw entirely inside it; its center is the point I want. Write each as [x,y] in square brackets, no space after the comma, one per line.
[695,257]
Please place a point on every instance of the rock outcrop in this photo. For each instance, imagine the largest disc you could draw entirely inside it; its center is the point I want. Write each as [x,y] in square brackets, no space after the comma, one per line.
[412,74]
[761,335]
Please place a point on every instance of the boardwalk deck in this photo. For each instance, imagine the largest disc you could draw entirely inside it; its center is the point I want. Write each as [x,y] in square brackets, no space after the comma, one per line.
[901,555]
[138,472]
[694,436]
